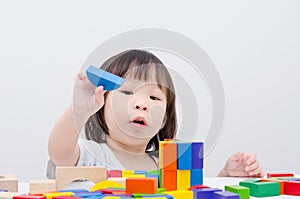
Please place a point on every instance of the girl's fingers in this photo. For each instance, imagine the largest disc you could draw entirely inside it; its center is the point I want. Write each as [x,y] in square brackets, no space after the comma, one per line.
[252,167]
[256,172]
[237,156]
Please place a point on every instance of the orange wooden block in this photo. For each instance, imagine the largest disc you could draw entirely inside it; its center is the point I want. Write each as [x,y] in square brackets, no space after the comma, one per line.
[169,180]
[281,183]
[168,155]
[141,185]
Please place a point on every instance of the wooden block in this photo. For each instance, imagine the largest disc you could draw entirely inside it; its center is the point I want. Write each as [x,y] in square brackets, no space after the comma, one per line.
[28,197]
[8,195]
[169,180]
[196,177]
[292,188]
[114,173]
[265,189]
[106,184]
[66,175]
[184,156]
[41,186]
[281,183]
[168,155]
[127,173]
[183,179]
[274,175]
[197,155]
[225,195]
[141,185]
[198,187]
[121,180]
[51,195]
[206,193]
[247,183]
[186,194]
[244,192]
[9,182]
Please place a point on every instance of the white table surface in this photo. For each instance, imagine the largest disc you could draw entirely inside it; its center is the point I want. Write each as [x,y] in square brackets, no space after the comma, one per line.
[214,182]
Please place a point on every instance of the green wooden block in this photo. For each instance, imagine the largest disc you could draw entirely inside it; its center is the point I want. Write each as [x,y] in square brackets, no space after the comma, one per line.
[247,183]
[244,192]
[160,190]
[265,189]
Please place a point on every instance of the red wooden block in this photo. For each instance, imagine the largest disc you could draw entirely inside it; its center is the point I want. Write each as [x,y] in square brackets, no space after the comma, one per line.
[29,197]
[198,187]
[274,175]
[141,185]
[114,173]
[292,188]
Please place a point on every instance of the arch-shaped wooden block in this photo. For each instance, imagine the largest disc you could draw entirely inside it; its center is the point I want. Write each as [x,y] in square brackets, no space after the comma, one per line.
[66,175]
[9,182]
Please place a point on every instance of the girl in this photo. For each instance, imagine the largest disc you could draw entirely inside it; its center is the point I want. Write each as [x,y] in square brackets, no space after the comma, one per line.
[123,127]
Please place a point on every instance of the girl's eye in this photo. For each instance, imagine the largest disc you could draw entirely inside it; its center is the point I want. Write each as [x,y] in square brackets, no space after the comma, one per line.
[154,98]
[127,92]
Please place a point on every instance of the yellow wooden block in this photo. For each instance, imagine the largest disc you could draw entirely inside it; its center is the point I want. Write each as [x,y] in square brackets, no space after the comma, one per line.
[9,182]
[119,180]
[50,195]
[106,184]
[127,173]
[112,197]
[180,194]
[183,179]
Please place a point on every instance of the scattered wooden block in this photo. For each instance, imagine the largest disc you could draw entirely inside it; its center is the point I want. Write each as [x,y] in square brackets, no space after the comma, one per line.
[274,175]
[39,186]
[292,188]
[8,195]
[141,185]
[66,175]
[244,192]
[9,183]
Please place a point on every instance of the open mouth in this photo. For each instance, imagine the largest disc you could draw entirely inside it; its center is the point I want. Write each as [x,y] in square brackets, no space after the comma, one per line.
[139,121]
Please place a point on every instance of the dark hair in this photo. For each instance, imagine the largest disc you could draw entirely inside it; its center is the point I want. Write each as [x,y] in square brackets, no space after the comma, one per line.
[142,62]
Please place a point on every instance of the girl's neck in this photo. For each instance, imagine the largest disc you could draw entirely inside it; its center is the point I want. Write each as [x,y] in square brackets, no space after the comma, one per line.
[119,147]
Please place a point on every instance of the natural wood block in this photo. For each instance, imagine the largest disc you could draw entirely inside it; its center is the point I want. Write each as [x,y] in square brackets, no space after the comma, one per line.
[66,175]
[41,186]
[9,182]
[8,195]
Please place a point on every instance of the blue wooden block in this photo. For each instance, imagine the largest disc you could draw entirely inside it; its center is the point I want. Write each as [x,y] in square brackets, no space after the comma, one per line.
[207,193]
[88,194]
[100,77]
[184,156]
[73,190]
[197,155]
[225,195]
[196,177]
[140,172]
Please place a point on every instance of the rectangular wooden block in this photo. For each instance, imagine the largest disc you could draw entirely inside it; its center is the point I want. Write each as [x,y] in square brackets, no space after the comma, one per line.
[281,183]
[182,194]
[141,185]
[265,189]
[207,193]
[244,192]
[9,182]
[168,155]
[41,186]
[183,179]
[292,188]
[196,177]
[184,156]
[225,195]
[197,155]
[169,179]
[274,175]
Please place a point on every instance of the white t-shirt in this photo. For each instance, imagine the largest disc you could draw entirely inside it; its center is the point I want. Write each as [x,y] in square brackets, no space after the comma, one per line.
[95,154]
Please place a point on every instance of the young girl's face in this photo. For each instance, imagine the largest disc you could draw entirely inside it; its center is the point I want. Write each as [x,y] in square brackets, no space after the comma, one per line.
[135,112]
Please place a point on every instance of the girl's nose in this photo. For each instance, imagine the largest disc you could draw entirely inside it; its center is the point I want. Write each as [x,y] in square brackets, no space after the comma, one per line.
[141,107]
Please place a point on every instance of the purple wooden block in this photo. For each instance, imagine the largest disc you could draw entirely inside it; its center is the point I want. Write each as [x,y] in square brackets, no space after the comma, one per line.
[197,155]
[225,195]
[207,193]
[3,190]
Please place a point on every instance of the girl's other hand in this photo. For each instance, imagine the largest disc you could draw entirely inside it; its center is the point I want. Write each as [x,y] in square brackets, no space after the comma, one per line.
[242,164]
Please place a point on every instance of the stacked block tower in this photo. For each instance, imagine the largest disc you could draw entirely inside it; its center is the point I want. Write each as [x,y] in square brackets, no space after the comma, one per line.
[181,164]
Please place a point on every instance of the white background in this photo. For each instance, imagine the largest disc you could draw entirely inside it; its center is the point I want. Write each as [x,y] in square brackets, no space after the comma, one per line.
[255,46]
